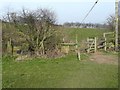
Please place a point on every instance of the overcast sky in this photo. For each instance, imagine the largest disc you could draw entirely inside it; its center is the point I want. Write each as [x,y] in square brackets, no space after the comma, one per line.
[66,10]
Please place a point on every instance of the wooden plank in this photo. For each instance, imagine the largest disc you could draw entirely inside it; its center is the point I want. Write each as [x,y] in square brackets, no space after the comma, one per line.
[95,44]
[109,33]
[101,46]
[91,39]
[105,44]
[69,44]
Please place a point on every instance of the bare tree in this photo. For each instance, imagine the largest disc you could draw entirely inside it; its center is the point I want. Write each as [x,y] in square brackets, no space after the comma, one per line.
[37,26]
[10,34]
[111,22]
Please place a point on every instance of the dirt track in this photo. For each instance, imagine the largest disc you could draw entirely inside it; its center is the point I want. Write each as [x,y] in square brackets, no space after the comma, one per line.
[99,57]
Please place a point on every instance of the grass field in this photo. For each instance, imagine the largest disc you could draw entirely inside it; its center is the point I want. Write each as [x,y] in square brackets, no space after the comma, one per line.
[83,33]
[66,72]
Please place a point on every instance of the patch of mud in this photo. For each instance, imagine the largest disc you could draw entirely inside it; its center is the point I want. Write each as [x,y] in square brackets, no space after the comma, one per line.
[99,57]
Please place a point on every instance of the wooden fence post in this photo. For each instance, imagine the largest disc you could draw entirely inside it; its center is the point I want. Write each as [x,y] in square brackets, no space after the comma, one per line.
[105,43]
[95,44]
[78,53]
[88,50]
[77,50]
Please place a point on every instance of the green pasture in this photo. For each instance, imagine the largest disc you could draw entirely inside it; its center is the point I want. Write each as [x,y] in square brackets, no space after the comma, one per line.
[65,72]
[83,33]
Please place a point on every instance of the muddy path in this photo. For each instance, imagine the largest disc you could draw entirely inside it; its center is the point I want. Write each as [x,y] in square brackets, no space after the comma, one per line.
[100,58]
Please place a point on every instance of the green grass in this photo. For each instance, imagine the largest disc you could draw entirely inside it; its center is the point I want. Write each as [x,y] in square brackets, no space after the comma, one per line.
[83,33]
[65,72]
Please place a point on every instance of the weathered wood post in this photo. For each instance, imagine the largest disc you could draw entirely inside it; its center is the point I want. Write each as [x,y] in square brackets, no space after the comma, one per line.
[9,48]
[105,43]
[77,50]
[116,24]
[95,45]
[76,42]
[88,50]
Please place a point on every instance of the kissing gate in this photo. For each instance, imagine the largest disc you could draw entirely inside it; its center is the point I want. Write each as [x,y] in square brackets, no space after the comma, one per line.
[107,42]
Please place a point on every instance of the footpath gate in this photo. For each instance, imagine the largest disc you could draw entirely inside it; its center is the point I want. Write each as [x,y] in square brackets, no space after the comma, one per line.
[91,44]
[107,42]
[65,47]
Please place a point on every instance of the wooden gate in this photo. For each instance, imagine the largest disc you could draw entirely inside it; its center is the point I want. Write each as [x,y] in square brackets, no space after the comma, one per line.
[91,44]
